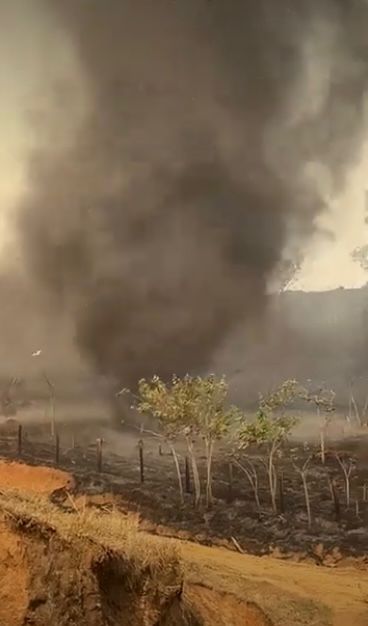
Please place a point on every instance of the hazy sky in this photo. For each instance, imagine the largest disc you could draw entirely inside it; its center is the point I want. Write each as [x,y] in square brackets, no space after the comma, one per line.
[25,74]
[328,263]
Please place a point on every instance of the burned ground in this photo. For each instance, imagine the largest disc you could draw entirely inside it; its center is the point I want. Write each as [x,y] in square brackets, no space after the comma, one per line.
[338,533]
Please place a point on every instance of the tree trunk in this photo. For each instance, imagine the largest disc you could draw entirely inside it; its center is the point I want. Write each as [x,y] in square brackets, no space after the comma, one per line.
[335,499]
[178,472]
[356,411]
[323,445]
[350,408]
[253,480]
[256,497]
[209,457]
[53,420]
[365,409]
[196,479]
[347,483]
[272,479]
[307,500]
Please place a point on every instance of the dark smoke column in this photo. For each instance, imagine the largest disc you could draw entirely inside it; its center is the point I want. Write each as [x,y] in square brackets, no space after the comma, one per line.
[157,229]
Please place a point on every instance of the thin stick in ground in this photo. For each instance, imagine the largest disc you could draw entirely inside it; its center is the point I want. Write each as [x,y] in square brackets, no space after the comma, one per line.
[141,460]
[51,388]
[171,444]
[20,439]
[99,455]
[335,498]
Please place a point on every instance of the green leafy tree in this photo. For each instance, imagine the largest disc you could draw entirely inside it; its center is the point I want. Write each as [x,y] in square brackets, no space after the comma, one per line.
[303,472]
[189,407]
[324,401]
[248,466]
[155,398]
[270,428]
[210,418]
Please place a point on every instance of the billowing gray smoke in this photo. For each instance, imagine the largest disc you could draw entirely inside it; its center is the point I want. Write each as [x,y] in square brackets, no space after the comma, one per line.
[158,227]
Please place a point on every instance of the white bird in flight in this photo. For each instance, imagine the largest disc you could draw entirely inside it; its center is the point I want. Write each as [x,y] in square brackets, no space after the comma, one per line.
[37,353]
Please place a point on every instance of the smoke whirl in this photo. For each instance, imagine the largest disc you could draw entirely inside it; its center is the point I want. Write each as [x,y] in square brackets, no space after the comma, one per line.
[198,160]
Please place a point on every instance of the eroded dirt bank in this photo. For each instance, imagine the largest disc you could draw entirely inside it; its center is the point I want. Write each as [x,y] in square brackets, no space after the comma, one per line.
[46,580]
[77,567]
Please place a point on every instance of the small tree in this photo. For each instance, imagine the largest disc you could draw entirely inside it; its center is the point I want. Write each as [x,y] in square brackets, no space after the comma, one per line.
[211,418]
[303,471]
[323,399]
[51,389]
[191,407]
[347,467]
[154,398]
[271,428]
[52,403]
[183,400]
[248,467]
[353,404]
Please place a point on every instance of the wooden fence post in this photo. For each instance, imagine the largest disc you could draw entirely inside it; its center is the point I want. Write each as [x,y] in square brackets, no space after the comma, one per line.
[99,455]
[335,499]
[20,433]
[141,460]
[57,448]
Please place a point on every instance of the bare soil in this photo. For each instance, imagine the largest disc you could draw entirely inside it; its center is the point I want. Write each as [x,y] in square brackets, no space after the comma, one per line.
[223,609]
[14,577]
[48,577]
[33,479]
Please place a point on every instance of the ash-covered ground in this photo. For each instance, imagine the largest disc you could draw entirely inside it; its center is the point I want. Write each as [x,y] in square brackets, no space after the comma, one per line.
[338,533]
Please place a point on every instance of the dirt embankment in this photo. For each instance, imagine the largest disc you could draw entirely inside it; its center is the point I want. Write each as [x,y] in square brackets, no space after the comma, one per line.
[75,560]
[223,609]
[86,568]
[291,594]
[46,581]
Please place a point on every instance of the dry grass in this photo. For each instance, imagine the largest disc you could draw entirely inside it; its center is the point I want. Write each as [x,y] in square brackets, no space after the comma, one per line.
[283,606]
[292,594]
[31,478]
[110,530]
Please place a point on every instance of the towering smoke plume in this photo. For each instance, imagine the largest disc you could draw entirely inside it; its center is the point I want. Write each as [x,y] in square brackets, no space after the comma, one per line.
[199,159]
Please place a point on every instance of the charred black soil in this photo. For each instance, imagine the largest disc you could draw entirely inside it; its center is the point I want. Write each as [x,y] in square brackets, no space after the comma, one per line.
[337,534]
